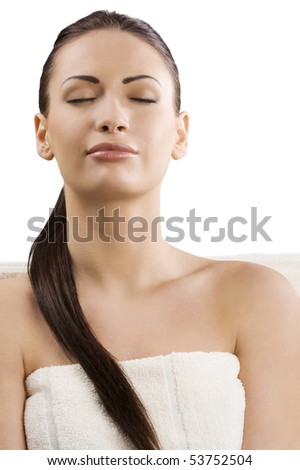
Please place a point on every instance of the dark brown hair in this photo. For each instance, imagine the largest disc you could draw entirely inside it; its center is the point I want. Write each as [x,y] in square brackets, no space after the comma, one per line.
[108,20]
[50,265]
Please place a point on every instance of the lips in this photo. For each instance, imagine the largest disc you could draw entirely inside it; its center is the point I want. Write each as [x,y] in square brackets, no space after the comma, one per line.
[110,152]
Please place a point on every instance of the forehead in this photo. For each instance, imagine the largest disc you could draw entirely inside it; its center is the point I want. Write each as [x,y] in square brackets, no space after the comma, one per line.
[105,53]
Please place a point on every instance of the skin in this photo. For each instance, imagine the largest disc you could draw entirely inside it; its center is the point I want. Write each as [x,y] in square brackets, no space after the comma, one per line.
[154,298]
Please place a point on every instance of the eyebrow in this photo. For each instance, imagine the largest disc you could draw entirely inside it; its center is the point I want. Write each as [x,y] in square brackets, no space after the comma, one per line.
[87,78]
[137,77]
[125,81]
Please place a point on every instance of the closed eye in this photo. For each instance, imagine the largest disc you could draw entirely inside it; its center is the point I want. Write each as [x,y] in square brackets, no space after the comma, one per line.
[80,100]
[143,100]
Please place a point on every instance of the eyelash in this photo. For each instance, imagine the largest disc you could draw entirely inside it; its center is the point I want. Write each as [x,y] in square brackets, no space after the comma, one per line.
[139,100]
[143,100]
[80,100]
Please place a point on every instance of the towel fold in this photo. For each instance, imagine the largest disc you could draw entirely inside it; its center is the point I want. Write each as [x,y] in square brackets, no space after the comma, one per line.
[194,399]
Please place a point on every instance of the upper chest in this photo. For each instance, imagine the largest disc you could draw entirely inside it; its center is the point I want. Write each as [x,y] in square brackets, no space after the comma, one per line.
[180,316]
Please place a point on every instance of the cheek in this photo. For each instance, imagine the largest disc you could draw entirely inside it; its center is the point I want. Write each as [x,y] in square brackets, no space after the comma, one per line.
[64,136]
[159,142]
[158,132]
[64,142]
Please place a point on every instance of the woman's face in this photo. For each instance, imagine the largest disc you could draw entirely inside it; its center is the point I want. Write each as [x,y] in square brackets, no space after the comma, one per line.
[111,102]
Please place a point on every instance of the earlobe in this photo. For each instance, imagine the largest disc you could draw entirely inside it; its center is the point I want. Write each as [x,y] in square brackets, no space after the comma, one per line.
[181,143]
[41,134]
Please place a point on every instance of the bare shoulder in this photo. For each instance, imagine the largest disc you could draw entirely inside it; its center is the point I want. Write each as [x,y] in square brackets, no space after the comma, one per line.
[256,292]
[14,293]
[18,310]
[14,314]
[267,316]
[264,303]
[19,281]
[16,300]
[21,319]
[244,287]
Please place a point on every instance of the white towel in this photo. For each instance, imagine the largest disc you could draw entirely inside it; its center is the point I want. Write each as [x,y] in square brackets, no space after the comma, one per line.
[194,399]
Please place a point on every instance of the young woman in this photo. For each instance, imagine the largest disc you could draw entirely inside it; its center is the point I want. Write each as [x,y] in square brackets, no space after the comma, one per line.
[116,339]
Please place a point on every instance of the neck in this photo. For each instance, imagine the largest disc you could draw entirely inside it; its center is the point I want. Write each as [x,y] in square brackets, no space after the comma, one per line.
[119,244]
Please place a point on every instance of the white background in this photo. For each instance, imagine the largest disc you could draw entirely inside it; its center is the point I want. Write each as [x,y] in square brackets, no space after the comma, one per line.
[239,63]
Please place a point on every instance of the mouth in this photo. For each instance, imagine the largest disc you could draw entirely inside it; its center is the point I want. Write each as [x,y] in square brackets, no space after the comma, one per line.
[111,152]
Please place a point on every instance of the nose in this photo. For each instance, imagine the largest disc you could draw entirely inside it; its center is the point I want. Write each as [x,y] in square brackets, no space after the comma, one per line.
[111,117]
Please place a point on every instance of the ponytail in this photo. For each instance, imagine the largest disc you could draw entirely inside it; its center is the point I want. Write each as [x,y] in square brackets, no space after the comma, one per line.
[53,283]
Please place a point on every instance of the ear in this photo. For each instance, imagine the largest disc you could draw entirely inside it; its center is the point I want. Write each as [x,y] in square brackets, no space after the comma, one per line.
[41,134]
[181,142]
